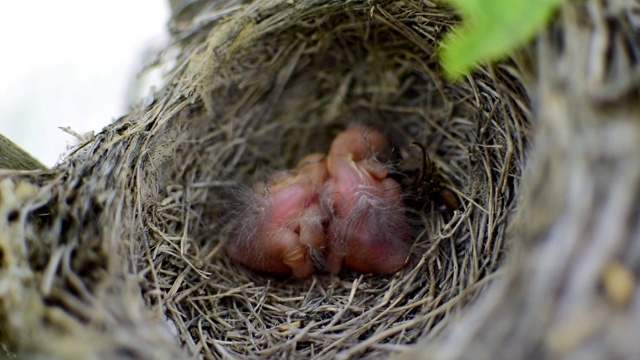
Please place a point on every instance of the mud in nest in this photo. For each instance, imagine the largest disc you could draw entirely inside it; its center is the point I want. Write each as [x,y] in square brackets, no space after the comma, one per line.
[280,84]
[255,87]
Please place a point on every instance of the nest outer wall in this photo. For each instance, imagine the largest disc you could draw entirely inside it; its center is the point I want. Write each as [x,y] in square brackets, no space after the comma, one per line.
[571,290]
[121,246]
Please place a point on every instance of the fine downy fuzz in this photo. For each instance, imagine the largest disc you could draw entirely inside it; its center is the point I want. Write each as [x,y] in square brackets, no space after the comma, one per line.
[337,210]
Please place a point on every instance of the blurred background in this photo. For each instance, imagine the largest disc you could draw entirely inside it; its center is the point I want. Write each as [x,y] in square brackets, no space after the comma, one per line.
[72,63]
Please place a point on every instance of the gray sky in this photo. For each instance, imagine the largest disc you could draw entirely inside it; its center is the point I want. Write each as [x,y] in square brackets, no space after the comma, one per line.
[70,63]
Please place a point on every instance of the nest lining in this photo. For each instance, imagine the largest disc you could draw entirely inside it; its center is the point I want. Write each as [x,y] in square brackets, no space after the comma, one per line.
[255,88]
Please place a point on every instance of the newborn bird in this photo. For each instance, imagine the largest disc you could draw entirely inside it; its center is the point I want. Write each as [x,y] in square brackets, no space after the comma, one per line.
[368,230]
[287,221]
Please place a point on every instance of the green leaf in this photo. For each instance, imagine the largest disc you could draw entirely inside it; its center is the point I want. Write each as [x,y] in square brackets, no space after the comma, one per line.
[491,29]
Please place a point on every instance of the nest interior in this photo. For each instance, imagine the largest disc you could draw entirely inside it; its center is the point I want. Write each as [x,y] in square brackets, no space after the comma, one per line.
[127,234]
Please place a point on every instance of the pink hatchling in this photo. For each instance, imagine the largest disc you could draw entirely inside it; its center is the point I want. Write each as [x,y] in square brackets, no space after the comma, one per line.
[368,229]
[287,221]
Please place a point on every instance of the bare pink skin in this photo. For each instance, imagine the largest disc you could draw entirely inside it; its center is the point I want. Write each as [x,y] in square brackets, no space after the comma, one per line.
[290,221]
[368,230]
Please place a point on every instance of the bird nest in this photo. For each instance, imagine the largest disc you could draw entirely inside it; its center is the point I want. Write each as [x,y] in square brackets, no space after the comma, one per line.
[119,251]
[283,81]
